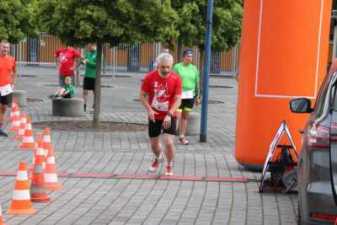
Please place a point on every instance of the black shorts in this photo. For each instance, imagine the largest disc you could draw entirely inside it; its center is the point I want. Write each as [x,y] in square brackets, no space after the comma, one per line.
[186,104]
[89,83]
[156,128]
[6,100]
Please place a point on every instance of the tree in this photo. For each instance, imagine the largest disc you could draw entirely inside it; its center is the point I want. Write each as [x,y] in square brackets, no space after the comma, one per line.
[191,25]
[16,19]
[77,22]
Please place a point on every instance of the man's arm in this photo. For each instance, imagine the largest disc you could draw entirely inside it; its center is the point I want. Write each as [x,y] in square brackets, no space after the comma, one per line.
[14,74]
[175,106]
[197,88]
[143,97]
[167,120]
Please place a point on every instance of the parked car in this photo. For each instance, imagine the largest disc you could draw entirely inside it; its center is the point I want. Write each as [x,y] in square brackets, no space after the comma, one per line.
[317,166]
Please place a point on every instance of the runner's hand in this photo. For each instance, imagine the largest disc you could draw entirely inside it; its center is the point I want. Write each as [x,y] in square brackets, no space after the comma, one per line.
[152,114]
[197,101]
[167,122]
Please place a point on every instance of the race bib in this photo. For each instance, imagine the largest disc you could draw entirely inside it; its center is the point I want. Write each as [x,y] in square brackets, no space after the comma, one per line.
[160,106]
[6,90]
[187,94]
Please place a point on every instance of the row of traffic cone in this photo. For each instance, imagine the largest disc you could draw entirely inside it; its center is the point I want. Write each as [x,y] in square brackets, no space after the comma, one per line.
[43,177]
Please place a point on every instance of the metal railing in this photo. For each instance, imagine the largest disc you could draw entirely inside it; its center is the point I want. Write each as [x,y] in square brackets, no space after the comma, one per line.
[125,58]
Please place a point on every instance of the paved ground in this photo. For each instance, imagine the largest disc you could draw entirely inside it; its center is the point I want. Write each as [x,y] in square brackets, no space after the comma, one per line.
[114,201]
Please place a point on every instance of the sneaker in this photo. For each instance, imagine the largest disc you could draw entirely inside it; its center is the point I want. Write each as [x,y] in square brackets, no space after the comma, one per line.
[183,141]
[154,166]
[168,170]
[3,133]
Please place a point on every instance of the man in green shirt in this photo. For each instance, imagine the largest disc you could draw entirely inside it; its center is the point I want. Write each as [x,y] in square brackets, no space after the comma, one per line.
[90,72]
[190,81]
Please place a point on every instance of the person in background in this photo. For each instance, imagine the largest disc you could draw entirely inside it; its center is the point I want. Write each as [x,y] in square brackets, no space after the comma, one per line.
[89,79]
[189,75]
[68,91]
[66,60]
[7,81]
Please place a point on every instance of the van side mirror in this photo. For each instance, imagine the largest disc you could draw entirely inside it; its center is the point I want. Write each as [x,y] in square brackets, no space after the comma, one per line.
[300,105]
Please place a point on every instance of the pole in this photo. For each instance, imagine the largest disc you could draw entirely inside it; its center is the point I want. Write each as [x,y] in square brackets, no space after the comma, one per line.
[208,43]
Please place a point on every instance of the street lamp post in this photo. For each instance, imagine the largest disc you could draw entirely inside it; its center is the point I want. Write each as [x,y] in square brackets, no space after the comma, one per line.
[208,43]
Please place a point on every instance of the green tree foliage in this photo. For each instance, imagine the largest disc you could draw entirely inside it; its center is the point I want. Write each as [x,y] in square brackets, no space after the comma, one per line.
[16,19]
[191,25]
[77,22]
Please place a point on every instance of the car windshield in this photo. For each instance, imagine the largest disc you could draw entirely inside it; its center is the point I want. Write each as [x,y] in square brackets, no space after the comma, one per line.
[319,105]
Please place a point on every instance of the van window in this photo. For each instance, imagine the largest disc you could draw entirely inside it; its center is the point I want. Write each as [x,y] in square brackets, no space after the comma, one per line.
[319,105]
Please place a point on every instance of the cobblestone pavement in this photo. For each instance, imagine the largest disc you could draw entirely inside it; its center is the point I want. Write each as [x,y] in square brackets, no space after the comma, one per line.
[110,200]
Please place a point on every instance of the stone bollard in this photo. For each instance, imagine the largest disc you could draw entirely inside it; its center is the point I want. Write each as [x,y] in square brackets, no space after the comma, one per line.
[193,126]
[19,96]
[71,107]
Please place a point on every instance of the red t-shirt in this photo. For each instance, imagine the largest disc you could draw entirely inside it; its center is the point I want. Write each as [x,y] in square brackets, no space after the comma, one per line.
[7,67]
[67,58]
[161,91]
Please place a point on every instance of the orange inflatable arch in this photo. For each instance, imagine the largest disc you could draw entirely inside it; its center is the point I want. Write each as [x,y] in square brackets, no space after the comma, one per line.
[284,50]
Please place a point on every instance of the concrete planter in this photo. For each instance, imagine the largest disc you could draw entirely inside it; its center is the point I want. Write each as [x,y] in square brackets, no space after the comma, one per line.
[19,96]
[70,107]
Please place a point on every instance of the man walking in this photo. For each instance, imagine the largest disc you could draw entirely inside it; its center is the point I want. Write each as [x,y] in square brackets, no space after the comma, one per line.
[161,96]
[190,81]
[7,81]
[90,72]
[66,58]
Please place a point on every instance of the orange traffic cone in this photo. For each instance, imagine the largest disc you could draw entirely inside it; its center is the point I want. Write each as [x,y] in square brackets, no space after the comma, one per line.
[38,191]
[15,117]
[1,219]
[21,131]
[28,138]
[46,142]
[21,203]
[39,145]
[50,175]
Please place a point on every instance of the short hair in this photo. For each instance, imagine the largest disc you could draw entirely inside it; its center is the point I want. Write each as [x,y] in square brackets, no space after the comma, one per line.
[164,57]
[187,52]
[4,42]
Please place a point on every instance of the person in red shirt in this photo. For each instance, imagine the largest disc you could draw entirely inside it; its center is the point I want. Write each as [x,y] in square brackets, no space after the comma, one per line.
[7,81]
[66,58]
[161,96]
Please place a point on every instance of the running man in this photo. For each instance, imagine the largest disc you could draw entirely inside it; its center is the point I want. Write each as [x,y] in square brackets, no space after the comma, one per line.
[161,96]
[7,81]
[190,79]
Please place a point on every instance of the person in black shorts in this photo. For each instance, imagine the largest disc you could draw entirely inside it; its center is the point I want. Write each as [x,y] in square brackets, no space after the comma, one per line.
[7,81]
[90,72]
[189,75]
[161,94]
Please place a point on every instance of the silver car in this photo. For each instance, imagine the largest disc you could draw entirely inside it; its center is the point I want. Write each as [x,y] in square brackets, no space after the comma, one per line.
[317,166]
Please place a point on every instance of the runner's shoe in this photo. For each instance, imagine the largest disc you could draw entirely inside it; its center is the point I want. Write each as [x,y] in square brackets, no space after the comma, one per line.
[3,133]
[168,170]
[154,166]
[183,140]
